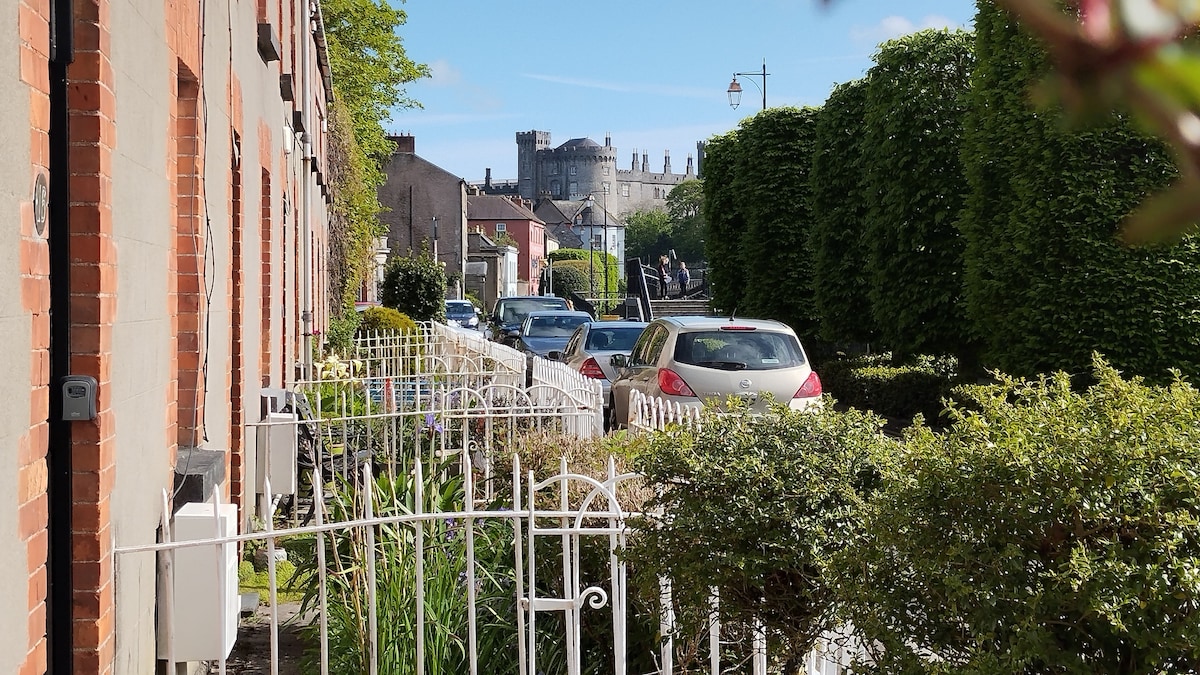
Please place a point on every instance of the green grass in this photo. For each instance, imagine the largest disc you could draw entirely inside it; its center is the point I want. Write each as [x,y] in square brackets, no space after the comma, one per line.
[250,579]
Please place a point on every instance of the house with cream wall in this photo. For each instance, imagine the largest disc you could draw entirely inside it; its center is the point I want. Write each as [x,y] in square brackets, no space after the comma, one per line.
[162,170]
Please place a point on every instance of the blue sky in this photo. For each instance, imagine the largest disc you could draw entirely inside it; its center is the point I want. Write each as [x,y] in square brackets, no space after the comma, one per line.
[653,73]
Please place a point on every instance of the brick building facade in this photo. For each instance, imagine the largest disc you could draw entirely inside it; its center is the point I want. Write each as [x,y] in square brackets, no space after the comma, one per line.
[161,175]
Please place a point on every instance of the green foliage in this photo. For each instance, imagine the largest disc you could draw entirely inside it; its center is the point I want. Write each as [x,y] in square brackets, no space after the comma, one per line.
[339,335]
[725,223]
[570,276]
[839,218]
[890,389]
[573,267]
[652,232]
[647,235]
[377,319]
[757,204]
[1051,531]
[395,554]
[415,286]
[1046,278]
[756,505]
[370,67]
[685,206]
[913,116]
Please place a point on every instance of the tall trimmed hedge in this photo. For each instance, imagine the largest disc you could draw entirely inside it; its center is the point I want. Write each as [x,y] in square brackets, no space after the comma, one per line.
[1047,282]
[839,218]
[914,183]
[764,216]
[724,223]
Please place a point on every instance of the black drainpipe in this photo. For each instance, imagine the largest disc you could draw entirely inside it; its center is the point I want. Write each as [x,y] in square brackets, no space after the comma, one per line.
[59,614]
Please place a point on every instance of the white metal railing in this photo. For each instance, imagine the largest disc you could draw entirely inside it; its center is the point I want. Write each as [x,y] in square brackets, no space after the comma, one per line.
[430,411]
[549,377]
[651,413]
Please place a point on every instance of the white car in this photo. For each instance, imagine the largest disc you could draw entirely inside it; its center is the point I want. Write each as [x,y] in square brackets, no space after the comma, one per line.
[699,360]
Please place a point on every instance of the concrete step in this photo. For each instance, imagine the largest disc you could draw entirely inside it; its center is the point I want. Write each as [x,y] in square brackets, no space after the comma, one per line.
[680,308]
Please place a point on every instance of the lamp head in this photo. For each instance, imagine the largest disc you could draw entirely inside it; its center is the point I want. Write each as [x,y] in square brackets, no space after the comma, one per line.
[735,93]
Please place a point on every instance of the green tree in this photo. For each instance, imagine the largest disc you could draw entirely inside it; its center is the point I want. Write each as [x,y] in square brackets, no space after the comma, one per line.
[914,184]
[756,200]
[1047,280]
[839,212]
[370,66]
[416,286]
[685,207]
[1049,530]
[647,235]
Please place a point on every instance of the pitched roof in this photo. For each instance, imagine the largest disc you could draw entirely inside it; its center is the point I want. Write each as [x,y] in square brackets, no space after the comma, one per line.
[495,207]
[579,143]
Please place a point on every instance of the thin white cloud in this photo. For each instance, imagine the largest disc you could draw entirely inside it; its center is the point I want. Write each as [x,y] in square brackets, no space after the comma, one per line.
[442,74]
[623,87]
[894,26]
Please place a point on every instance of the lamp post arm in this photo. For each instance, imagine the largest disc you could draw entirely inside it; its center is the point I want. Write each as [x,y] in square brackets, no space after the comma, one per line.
[763,74]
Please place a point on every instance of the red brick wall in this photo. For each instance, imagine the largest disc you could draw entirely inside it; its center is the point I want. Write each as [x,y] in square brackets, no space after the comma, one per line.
[93,308]
[32,505]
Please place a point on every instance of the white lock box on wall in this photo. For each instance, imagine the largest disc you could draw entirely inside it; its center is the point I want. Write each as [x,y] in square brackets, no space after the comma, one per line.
[206,601]
[276,453]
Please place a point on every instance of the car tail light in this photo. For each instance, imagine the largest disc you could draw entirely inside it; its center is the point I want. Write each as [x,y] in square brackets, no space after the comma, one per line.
[592,369]
[810,388]
[671,384]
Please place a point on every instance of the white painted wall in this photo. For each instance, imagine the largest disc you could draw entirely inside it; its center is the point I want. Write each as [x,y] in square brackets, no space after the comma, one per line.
[15,324]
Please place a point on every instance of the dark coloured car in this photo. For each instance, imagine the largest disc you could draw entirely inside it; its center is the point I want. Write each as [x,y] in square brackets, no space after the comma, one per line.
[544,332]
[509,313]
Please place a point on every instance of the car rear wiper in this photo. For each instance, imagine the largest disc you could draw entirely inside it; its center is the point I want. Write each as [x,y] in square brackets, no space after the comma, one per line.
[723,365]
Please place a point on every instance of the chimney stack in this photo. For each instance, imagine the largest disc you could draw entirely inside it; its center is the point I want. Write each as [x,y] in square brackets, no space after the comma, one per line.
[405,143]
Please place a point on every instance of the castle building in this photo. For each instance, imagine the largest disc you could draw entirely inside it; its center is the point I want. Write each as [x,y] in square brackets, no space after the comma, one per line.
[581,166]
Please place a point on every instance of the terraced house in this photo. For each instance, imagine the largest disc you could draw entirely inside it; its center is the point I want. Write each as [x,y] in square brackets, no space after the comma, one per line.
[162,170]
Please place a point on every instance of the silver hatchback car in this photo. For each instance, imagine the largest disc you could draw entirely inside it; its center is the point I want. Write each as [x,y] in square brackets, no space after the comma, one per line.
[698,360]
[591,348]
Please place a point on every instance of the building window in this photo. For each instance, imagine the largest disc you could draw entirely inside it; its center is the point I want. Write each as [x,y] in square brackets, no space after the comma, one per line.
[606,167]
[573,169]
[501,227]
[554,169]
[624,189]
[554,186]
[574,188]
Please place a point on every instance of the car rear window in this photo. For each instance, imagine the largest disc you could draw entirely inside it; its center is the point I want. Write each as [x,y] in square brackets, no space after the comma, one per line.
[739,350]
[515,311]
[613,338]
[460,308]
[554,326]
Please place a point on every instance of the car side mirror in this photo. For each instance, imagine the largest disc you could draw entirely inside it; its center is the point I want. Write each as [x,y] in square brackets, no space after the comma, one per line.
[619,361]
[554,355]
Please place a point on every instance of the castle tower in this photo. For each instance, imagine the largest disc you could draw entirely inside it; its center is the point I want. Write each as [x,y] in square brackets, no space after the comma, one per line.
[528,145]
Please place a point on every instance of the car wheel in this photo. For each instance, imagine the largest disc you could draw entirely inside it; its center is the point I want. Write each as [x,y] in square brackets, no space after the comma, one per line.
[610,419]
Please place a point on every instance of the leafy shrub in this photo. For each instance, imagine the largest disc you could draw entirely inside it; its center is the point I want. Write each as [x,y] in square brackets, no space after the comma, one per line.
[415,286]
[1050,531]
[378,319]
[570,276]
[875,383]
[756,506]
[339,335]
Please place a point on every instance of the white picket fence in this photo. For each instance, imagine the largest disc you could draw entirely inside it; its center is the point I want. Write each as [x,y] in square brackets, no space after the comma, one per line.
[425,409]
[651,413]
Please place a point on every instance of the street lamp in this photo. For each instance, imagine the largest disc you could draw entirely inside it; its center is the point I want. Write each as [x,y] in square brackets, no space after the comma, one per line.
[591,204]
[735,89]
